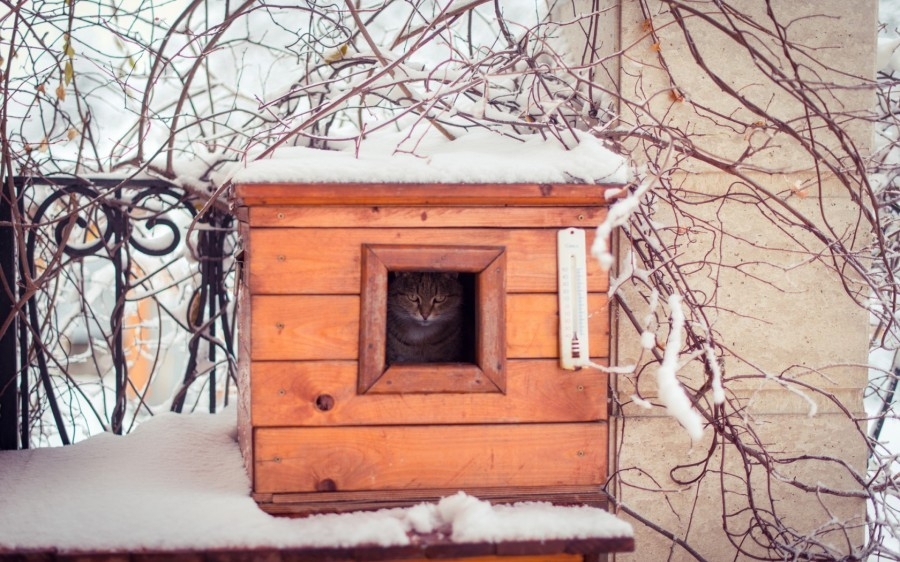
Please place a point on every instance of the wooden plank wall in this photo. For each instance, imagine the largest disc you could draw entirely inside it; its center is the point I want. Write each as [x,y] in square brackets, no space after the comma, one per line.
[312,432]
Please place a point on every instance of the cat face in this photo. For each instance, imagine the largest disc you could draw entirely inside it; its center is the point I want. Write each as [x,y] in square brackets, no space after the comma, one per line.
[425,297]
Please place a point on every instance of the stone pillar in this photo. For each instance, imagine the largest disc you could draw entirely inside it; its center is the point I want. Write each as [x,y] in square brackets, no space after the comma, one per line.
[776,304]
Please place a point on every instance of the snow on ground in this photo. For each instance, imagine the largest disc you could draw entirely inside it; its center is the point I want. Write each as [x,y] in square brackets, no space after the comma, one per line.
[889,15]
[178,482]
[479,156]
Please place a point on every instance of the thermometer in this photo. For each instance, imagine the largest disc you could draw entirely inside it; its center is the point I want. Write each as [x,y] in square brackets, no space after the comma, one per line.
[574,351]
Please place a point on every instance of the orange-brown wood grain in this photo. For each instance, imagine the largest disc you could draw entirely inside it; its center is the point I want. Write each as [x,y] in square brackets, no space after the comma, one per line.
[488,374]
[320,429]
[422,195]
[532,325]
[306,503]
[430,217]
[311,327]
[304,327]
[328,261]
[425,378]
[412,457]
[373,320]
[292,394]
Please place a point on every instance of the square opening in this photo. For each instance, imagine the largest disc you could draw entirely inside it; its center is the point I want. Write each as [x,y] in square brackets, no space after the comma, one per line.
[473,360]
[430,317]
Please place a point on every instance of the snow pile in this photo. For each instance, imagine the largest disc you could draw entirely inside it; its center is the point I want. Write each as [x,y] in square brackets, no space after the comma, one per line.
[479,156]
[887,54]
[177,482]
[469,519]
[671,393]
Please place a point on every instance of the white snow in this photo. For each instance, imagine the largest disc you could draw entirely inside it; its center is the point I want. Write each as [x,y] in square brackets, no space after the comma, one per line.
[177,482]
[887,56]
[479,156]
[713,362]
[645,404]
[473,520]
[618,215]
[671,393]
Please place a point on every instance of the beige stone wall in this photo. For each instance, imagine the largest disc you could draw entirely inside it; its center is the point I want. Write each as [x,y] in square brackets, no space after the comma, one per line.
[778,316]
[778,308]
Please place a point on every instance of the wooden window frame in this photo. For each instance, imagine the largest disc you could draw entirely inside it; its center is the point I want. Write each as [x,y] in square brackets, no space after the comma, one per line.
[487,374]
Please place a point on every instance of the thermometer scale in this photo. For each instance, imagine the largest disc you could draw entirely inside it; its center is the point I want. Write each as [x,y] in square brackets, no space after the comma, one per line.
[574,351]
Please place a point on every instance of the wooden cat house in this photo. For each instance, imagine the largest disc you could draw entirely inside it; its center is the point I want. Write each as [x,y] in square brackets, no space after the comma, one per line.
[326,425]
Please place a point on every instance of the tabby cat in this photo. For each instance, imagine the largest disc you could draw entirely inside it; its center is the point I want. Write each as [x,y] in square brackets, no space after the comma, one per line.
[425,318]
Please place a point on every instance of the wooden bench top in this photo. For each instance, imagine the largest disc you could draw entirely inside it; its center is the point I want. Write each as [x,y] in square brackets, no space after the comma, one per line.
[422,547]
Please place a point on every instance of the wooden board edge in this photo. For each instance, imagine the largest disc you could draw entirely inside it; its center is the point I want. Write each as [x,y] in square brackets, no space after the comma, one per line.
[287,394]
[558,495]
[396,458]
[425,194]
[370,216]
[421,550]
[433,378]
[244,364]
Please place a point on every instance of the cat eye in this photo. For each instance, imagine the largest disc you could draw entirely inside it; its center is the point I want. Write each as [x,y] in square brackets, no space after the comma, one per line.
[439,299]
[413,297]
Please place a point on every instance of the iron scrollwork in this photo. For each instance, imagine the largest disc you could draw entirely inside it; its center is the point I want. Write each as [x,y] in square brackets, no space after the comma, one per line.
[123,254]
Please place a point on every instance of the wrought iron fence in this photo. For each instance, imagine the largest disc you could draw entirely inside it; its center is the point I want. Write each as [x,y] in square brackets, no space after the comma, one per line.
[117,304]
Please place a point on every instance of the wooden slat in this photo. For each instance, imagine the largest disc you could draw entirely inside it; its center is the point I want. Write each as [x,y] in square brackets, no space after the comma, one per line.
[287,394]
[558,495]
[328,261]
[411,457]
[308,327]
[532,325]
[305,327]
[432,217]
[490,321]
[373,320]
[412,194]
[424,378]
[284,507]
[461,258]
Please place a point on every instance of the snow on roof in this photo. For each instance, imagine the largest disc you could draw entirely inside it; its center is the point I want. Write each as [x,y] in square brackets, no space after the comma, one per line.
[177,482]
[479,156]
